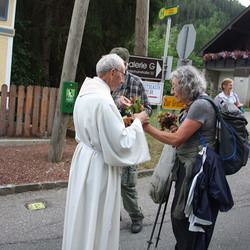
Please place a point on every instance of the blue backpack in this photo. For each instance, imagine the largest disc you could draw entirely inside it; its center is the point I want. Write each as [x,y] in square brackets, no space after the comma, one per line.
[232,136]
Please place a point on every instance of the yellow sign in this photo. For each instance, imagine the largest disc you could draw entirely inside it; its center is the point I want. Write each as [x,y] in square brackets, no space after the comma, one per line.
[168,12]
[170,102]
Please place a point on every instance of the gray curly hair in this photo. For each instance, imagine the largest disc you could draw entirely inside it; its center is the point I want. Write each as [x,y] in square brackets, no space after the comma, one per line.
[191,82]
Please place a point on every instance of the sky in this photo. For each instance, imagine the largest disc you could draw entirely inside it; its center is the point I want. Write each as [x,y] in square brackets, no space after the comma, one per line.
[245,2]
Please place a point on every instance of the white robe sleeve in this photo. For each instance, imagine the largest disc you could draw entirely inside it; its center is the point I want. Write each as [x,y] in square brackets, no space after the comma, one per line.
[121,146]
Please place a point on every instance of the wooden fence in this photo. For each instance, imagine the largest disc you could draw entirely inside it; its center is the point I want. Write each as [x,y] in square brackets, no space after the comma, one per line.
[26,112]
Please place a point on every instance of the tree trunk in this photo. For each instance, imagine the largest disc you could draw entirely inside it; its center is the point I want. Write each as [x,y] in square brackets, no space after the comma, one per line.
[141,28]
[68,74]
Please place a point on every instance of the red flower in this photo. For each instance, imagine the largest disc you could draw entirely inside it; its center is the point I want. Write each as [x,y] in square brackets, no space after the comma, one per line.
[166,120]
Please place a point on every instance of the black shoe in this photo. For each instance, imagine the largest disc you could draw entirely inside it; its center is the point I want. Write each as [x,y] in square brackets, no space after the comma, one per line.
[136,226]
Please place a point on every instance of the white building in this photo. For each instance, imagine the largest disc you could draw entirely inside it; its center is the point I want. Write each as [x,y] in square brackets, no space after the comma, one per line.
[7,33]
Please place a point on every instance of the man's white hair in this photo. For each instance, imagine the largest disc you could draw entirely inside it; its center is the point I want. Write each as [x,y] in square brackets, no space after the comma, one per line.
[108,62]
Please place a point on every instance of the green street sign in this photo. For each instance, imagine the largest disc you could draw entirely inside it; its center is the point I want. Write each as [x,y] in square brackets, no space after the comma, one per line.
[168,11]
[69,94]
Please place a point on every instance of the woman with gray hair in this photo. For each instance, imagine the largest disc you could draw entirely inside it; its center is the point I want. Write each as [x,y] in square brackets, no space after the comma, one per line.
[187,85]
[197,118]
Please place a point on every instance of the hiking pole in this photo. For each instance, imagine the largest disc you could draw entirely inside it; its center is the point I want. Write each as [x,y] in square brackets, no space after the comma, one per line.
[168,189]
[163,199]
[150,242]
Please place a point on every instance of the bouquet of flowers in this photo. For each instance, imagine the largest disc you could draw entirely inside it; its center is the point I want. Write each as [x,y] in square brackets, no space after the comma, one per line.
[127,120]
[166,120]
[137,107]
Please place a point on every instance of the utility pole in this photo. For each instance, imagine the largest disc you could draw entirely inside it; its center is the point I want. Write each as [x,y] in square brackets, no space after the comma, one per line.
[70,62]
[141,27]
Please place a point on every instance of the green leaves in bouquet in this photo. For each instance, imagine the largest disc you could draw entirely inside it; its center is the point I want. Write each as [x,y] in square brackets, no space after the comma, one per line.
[136,108]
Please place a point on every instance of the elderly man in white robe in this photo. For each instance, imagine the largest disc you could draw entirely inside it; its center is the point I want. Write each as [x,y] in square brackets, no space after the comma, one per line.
[92,216]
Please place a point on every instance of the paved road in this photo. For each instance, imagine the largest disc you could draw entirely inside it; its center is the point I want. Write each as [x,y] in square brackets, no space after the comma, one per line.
[22,229]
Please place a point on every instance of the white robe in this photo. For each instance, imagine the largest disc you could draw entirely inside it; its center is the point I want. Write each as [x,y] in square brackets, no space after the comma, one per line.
[92,216]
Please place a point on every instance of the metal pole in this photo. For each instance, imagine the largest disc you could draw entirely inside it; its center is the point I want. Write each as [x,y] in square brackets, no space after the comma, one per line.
[168,189]
[164,198]
[164,70]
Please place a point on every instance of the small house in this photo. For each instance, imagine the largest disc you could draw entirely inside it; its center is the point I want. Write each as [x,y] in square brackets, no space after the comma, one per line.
[228,55]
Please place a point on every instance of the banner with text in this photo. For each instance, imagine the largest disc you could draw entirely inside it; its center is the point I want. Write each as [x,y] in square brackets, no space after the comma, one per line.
[170,102]
[154,91]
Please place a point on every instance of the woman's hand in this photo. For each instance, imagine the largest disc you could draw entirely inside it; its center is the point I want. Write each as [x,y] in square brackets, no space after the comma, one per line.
[143,117]
[173,128]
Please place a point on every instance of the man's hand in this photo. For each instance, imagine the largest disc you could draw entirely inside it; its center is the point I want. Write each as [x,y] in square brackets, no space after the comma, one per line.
[124,102]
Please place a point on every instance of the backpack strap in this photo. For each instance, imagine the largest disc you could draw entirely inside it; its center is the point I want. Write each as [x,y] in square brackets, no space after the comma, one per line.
[208,98]
[201,139]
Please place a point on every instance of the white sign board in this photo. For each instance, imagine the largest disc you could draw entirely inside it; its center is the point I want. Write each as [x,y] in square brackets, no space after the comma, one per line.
[154,92]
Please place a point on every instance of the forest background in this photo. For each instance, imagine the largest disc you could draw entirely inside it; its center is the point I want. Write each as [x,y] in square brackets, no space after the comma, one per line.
[42,29]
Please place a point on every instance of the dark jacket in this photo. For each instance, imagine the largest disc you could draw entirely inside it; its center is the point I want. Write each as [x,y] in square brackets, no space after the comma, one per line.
[211,191]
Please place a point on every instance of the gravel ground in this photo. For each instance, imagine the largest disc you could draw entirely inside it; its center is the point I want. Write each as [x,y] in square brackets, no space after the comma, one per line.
[29,164]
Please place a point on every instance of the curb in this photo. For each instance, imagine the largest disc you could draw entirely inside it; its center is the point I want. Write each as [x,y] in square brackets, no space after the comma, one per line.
[23,142]
[15,189]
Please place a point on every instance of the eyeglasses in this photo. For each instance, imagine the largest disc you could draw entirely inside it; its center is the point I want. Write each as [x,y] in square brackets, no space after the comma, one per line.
[124,74]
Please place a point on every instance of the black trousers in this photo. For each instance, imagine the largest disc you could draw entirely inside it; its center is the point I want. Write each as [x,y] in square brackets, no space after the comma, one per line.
[186,240]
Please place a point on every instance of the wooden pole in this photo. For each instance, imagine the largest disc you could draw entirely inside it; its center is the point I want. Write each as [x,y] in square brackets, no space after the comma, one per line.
[68,75]
[141,28]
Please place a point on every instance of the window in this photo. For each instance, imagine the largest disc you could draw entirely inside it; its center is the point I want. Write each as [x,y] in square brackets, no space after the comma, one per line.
[4,4]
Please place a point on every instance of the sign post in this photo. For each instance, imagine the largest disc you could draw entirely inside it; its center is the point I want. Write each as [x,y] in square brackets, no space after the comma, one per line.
[168,11]
[145,67]
[163,13]
[154,91]
[150,69]
[185,44]
[170,102]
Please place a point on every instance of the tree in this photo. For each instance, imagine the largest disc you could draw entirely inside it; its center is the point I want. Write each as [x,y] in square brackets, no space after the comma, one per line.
[141,27]
[68,74]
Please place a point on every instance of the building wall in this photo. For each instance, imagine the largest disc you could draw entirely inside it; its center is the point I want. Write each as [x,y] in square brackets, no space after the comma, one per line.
[7,33]
[242,89]
[223,75]
[241,86]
